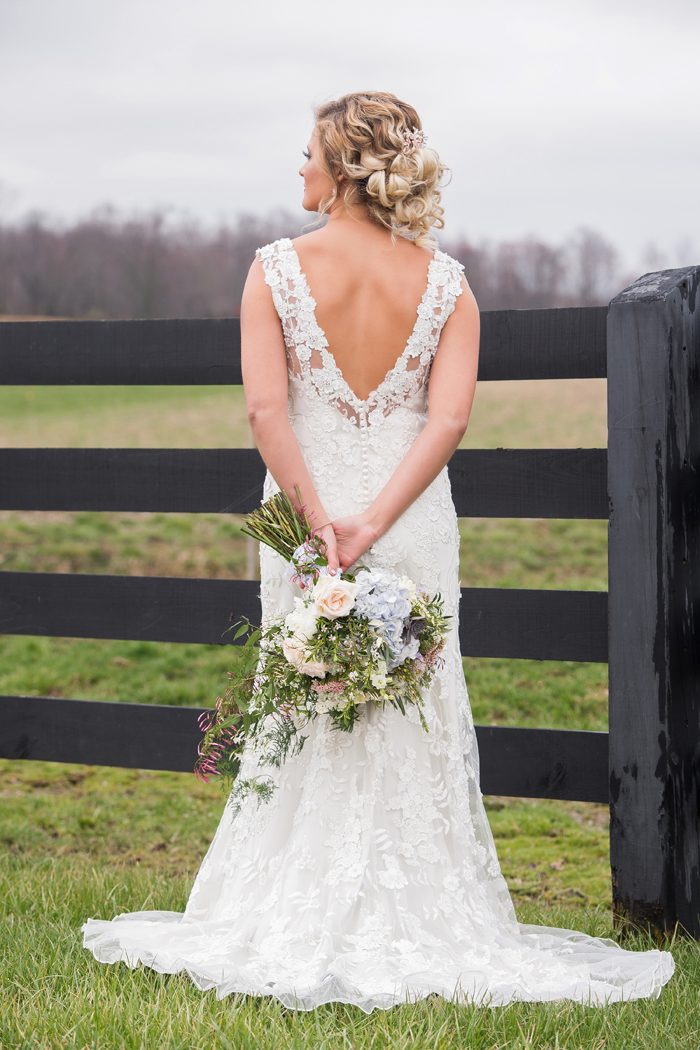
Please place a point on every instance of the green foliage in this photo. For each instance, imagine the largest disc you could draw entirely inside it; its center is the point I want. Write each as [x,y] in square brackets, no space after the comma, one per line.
[284,527]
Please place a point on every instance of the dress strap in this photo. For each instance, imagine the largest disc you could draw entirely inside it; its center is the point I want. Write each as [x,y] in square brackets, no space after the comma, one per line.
[294,304]
[278,259]
[446,280]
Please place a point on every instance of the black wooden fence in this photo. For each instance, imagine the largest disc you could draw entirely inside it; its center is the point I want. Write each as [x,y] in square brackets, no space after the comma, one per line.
[647,343]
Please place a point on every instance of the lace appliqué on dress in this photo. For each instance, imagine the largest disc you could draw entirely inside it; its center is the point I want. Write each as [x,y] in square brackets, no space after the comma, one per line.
[371,877]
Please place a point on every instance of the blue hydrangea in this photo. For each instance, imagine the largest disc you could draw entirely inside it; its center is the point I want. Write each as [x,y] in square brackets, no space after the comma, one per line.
[382,598]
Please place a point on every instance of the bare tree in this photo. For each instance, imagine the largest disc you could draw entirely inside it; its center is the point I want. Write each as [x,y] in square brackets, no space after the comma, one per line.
[530,273]
[147,266]
[157,266]
[593,269]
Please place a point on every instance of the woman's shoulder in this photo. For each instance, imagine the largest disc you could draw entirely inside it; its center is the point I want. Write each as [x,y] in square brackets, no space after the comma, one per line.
[447,261]
[274,249]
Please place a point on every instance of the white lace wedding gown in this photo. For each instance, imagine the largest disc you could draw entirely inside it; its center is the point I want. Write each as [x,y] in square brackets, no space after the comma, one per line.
[371,877]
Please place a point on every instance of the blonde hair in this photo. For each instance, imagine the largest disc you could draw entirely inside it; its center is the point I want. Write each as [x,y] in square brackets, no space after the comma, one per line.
[362,138]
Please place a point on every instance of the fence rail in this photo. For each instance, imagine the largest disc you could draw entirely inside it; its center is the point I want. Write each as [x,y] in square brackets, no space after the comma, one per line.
[527,624]
[515,344]
[486,483]
[536,763]
[647,344]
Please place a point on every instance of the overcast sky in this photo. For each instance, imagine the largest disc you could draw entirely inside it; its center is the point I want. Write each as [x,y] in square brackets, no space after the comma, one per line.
[552,114]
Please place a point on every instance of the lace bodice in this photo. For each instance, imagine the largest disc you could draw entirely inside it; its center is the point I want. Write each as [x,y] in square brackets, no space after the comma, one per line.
[312,363]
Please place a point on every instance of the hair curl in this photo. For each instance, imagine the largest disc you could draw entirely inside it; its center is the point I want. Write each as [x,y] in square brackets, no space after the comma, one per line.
[362,138]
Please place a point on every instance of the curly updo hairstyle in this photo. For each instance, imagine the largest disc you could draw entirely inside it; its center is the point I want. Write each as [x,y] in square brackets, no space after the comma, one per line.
[362,137]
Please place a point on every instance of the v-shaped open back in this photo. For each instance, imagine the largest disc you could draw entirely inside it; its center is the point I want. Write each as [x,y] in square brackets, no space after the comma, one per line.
[330,360]
[308,353]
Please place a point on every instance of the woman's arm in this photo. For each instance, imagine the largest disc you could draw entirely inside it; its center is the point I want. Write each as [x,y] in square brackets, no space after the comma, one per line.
[452,385]
[264,363]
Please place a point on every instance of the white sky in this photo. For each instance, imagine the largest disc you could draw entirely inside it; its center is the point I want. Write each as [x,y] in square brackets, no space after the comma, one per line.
[551,113]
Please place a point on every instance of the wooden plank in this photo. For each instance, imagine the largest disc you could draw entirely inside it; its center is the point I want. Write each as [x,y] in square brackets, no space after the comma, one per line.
[134,736]
[537,625]
[141,608]
[160,480]
[543,763]
[568,343]
[163,352]
[536,763]
[530,483]
[654,572]
[515,344]
[533,483]
[534,625]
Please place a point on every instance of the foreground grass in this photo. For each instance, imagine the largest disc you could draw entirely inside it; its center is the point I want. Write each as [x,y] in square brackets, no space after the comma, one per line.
[82,841]
[54,995]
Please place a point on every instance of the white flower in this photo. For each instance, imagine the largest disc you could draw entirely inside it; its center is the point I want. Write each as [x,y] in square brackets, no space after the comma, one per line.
[329,702]
[299,655]
[301,622]
[407,584]
[333,597]
[378,679]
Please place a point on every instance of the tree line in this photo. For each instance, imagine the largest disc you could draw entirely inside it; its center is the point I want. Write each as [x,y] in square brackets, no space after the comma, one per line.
[109,265]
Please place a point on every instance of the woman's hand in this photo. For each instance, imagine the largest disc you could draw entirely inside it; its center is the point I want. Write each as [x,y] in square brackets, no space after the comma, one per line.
[327,533]
[353,537]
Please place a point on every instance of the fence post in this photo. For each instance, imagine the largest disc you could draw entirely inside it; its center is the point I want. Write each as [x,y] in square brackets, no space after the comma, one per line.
[654,589]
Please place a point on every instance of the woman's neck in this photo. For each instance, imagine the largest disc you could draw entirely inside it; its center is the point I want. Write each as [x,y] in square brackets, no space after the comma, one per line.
[354,221]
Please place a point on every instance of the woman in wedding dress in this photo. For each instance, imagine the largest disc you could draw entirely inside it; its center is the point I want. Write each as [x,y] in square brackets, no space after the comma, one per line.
[371,876]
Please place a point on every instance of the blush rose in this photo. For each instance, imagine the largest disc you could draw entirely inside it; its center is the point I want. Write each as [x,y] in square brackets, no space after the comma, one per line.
[333,597]
[298,656]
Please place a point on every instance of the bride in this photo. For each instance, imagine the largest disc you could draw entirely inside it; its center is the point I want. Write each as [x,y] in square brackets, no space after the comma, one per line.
[371,876]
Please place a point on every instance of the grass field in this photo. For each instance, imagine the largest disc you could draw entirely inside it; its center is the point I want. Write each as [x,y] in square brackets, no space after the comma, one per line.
[80,841]
[529,414]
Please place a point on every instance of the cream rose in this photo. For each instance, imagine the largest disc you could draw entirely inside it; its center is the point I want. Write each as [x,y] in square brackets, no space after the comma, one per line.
[334,597]
[302,620]
[298,656]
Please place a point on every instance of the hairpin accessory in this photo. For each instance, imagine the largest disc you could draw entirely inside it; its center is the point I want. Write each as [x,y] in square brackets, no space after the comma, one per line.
[413,140]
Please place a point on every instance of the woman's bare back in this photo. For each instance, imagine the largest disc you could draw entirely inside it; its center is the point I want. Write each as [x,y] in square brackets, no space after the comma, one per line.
[367,291]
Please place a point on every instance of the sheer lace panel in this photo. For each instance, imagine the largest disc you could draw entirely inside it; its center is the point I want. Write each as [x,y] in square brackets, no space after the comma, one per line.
[309,358]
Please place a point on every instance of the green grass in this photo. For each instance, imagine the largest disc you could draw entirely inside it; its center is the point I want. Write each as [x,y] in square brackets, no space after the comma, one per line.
[20,403]
[55,995]
[78,841]
[529,414]
[95,669]
[209,545]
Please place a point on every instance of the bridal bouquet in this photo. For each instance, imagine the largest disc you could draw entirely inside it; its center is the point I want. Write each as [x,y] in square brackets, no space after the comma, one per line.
[351,639]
